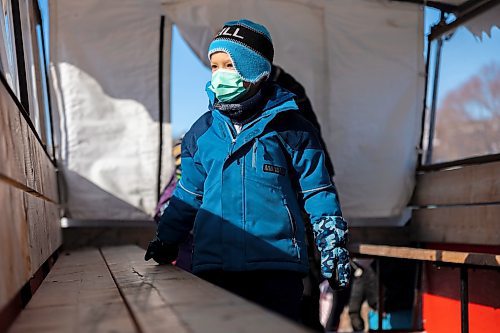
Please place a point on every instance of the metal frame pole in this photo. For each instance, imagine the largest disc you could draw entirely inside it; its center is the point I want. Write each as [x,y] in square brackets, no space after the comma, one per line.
[432,115]
[380,301]
[464,298]
[417,292]
[424,107]
[161,106]
[47,83]
[21,65]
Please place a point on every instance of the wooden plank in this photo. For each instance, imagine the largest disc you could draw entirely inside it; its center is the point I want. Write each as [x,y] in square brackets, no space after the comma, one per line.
[14,246]
[453,257]
[29,217]
[167,299]
[40,173]
[11,138]
[460,224]
[31,233]
[473,184]
[78,295]
[49,178]
[24,162]
[44,229]
[31,158]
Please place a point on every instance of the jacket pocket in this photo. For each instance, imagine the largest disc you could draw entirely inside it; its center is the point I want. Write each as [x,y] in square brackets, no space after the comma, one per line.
[267,163]
[270,232]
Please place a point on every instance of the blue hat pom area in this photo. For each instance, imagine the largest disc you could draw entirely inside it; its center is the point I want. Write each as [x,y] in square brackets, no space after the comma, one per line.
[249,45]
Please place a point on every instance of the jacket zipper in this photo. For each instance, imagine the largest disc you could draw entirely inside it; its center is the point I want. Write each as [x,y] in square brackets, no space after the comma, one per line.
[232,136]
[243,203]
[243,186]
[231,147]
[254,154]
[294,229]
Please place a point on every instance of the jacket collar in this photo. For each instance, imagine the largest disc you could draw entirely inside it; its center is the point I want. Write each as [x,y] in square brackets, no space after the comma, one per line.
[280,100]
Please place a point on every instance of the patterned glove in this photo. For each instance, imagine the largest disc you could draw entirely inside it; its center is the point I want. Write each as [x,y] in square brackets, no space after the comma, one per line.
[160,252]
[342,271]
[331,238]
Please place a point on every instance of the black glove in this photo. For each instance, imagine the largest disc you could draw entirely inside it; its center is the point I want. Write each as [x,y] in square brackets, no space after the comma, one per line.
[160,252]
[336,285]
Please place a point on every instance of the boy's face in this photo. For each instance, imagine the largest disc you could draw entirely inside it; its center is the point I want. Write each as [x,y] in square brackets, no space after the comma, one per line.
[220,60]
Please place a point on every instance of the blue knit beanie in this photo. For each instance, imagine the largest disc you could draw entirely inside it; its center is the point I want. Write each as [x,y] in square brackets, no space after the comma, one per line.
[249,46]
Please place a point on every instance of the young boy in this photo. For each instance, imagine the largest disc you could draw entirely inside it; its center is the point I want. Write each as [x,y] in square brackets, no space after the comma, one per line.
[250,166]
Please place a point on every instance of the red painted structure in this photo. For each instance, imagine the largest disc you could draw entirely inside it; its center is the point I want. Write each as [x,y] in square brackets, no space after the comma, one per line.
[441,297]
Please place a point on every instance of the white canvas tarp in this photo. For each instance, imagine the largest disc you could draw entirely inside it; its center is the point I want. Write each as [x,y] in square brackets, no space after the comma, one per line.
[105,66]
[361,63]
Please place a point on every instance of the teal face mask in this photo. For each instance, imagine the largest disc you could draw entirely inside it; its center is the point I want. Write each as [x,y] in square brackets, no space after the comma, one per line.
[227,85]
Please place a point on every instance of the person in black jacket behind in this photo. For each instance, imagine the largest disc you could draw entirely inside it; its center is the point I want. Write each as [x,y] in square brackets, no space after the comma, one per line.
[288,82]
[310,299]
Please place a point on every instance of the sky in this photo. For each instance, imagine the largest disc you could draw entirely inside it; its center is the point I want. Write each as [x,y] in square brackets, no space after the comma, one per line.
[462,56]
[44,9]
[189,77]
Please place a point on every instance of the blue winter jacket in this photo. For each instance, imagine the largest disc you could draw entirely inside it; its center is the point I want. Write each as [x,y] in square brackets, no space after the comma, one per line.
[245,194]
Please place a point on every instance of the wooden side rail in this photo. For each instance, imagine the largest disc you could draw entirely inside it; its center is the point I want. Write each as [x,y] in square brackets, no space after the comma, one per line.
[464,260]
[438,256]
[114,289]
[30,230]
[459,205]
[469,224]
[471,184]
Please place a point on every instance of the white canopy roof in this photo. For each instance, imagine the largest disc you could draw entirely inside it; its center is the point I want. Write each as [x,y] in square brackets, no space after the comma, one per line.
[361,62]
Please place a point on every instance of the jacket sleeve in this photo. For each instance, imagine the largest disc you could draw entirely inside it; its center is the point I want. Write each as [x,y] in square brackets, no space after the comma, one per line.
[177,220]
[320,201]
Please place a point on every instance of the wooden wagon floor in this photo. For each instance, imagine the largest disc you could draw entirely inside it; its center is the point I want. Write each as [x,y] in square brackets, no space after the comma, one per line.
[114,290]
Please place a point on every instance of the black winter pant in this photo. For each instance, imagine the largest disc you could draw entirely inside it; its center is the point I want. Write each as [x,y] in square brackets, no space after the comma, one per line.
[339,301]
[279,291]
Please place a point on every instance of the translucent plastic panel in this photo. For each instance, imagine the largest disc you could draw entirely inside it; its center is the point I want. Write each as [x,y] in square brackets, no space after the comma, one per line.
[468,97]
[8,64]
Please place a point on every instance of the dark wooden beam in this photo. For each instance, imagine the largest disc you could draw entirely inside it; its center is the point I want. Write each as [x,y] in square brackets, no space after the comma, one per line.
[445,7]
[463,16]
[461,162]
